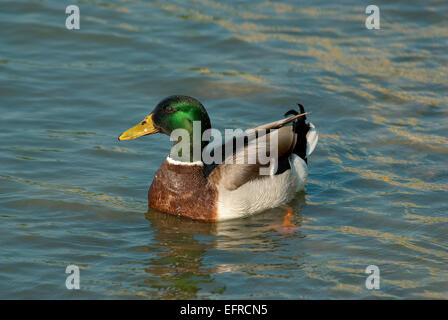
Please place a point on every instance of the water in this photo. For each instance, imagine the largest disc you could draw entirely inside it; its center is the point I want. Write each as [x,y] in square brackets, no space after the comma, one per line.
[70,193]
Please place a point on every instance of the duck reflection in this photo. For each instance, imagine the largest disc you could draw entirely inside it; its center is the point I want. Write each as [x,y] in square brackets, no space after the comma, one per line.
[188,251]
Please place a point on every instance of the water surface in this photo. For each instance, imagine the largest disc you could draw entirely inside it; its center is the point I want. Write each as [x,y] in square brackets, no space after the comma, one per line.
[70,193]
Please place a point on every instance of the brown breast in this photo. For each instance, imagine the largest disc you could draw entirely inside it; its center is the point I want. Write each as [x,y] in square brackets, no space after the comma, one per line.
[183,190]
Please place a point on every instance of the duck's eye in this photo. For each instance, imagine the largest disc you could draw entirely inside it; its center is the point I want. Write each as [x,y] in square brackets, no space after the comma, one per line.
[169,109]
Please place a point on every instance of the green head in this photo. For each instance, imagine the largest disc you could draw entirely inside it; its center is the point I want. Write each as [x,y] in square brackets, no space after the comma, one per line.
[174,112]
[179,112]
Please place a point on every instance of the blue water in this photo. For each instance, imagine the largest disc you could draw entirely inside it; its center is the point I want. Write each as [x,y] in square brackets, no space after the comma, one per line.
[70,193]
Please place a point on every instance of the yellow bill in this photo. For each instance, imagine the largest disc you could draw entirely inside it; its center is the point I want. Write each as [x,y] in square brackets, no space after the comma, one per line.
[143,128]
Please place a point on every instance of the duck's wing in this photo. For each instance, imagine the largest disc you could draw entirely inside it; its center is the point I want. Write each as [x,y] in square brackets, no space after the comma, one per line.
[251,157]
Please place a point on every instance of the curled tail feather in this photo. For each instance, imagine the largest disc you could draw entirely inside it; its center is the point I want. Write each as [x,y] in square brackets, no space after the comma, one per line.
[305,142]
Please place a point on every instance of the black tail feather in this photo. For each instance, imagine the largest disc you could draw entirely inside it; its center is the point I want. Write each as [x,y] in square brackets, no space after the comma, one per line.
[301,128]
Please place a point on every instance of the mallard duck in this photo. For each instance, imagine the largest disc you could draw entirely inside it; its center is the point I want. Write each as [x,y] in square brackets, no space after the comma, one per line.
[193,188]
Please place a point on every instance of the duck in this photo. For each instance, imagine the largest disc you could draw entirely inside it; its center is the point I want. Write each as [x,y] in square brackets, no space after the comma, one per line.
[197,186]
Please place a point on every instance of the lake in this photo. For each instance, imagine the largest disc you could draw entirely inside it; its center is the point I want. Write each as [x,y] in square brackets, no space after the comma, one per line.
[71,193]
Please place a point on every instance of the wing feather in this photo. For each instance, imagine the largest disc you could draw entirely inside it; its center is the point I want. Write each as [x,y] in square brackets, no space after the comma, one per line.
[243,162]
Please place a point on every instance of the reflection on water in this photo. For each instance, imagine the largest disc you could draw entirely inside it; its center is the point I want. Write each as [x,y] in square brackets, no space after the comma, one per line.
[71,194]
[179,269]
